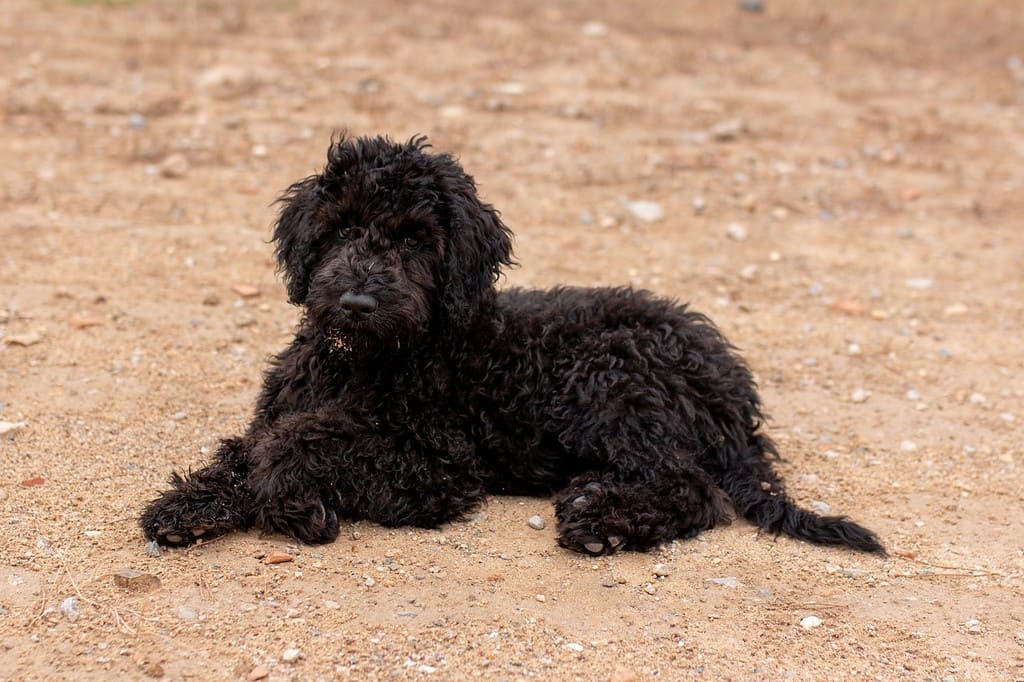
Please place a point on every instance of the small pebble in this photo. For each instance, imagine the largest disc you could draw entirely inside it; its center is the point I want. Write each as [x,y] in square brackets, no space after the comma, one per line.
[186,612]
[136,581]
[536,522]
[908,446]
[10,427]
[728,130]
[736,232]
[594,29]
[661,570]
[574,646]
[973,627]
[977,399]
[26,339]
[860,395]
[291,655]
[821,507]
[174,166]
[913,395]
[955,310]
[728,581]
[137,121]
[81,322]
[276,557]
[645,211]
[810,622]
[541,598]
[258,673]
[246,290]
[920,283]
[851,308]
[699,205]
[649,588]
[69,607]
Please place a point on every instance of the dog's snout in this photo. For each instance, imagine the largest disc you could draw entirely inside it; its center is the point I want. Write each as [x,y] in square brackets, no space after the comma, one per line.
[360,304]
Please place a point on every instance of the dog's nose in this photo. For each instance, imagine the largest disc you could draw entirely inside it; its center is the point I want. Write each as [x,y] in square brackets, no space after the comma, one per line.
[360,304]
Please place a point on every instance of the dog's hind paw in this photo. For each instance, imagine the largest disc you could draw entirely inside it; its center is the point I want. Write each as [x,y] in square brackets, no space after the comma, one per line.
[307,520]
[587,524]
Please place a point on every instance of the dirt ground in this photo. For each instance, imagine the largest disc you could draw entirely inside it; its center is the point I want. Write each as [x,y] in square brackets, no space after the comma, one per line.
[841,187]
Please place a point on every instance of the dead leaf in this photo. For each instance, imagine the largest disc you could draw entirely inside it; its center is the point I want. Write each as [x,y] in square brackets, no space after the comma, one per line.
[33,482]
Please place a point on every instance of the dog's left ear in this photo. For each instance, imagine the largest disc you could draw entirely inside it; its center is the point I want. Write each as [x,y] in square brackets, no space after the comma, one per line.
[479,245]
[293,234]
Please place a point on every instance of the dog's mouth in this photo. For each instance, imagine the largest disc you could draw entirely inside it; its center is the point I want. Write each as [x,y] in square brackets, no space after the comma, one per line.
[358,322]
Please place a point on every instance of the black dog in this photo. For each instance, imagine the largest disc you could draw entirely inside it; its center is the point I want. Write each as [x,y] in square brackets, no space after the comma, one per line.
[414,388]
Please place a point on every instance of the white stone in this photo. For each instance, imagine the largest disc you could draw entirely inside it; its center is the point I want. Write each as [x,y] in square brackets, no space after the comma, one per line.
[645,211]
[810,622]
[736,232]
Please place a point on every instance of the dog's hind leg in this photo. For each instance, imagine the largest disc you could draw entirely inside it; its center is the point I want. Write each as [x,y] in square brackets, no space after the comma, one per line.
[603,512]
[204,503]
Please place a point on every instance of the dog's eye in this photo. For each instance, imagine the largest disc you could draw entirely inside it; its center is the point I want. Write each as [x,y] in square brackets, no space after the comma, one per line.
[348,232]
[410,243]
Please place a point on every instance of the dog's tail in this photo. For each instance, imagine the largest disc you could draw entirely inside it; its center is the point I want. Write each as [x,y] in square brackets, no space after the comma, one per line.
[757,495]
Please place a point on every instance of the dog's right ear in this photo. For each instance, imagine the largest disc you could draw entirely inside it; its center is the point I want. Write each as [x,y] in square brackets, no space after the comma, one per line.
[294,235]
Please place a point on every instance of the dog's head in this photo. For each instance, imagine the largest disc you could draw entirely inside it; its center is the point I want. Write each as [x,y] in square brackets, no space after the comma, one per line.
[388,242]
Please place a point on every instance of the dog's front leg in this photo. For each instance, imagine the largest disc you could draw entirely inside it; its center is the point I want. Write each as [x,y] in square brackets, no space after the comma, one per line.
[294,470]
[204,503]
[315,467]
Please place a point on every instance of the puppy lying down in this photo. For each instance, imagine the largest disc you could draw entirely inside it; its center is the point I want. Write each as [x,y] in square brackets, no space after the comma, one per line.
[414,388]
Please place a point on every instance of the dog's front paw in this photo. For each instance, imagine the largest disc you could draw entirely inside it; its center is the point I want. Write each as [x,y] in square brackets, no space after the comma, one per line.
[185,514]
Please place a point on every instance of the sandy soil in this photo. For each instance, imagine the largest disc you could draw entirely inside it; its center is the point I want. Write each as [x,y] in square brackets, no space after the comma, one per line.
[871,152]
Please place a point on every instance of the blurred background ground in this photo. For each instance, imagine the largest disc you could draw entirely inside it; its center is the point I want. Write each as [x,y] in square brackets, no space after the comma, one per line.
[839,185]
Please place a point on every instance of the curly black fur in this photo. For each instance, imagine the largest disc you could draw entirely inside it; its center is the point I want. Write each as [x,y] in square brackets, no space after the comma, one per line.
[414,388]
